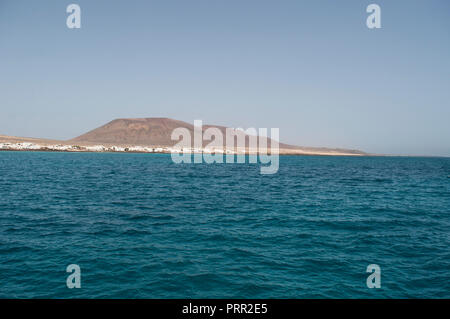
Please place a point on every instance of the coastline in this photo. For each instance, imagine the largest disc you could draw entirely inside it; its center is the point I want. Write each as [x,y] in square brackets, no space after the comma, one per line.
[61,148]
[13,143]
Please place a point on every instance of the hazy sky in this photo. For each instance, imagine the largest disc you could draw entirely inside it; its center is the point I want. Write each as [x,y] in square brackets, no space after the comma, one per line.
[311,68]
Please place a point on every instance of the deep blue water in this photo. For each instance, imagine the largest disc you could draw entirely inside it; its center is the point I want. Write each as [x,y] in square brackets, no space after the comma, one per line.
[141,226]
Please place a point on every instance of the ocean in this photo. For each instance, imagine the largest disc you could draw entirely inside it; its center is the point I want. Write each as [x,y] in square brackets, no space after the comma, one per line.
[140,226]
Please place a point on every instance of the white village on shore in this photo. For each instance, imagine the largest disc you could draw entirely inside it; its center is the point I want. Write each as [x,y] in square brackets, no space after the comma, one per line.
[26,146]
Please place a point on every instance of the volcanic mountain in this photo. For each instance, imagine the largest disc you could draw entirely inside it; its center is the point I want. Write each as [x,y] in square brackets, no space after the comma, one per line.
[158,131]
[141,131]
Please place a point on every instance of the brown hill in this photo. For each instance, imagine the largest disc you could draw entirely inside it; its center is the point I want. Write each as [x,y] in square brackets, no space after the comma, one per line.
[144,132]
[157,132]
[148,131]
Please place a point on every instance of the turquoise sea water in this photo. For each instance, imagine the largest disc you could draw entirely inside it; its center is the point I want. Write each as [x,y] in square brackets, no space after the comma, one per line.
[140,226]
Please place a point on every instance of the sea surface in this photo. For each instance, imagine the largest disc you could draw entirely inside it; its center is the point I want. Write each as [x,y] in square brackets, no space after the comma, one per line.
[140,226]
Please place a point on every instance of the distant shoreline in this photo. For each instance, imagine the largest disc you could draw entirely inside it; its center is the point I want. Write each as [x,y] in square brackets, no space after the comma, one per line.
[281,154]
[14,143]
[170,151]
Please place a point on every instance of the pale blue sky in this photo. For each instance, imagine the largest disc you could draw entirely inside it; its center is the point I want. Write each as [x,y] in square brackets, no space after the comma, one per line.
[311,68]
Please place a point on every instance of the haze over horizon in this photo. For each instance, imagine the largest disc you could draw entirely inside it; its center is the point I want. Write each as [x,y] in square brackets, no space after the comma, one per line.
[312,69]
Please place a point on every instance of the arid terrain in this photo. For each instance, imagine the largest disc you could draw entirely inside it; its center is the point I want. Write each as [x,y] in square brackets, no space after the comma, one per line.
[142,135]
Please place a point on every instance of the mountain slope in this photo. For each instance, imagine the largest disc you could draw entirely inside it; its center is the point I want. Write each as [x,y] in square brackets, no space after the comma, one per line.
[148,131]
[157,132]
